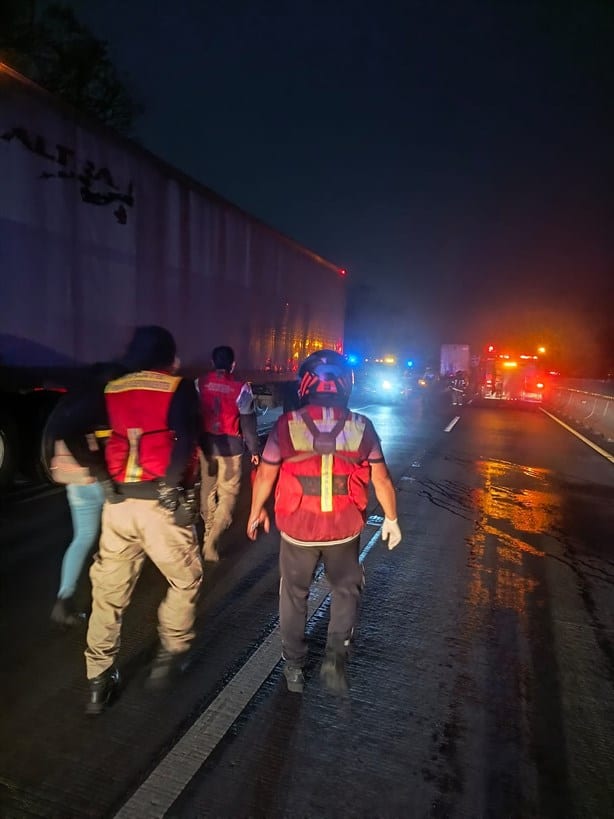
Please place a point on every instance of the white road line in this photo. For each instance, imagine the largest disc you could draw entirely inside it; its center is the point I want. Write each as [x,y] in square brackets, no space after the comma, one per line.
[584,440]
[452,424]
[165,784]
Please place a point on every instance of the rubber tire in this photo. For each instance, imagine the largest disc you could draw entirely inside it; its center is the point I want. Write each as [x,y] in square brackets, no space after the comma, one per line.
[35,463]
[9,450]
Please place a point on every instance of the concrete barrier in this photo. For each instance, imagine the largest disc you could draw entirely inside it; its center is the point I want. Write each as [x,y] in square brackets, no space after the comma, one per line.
[589,410]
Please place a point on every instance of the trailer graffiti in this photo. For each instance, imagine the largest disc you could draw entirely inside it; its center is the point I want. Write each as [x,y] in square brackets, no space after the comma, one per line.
[97,184]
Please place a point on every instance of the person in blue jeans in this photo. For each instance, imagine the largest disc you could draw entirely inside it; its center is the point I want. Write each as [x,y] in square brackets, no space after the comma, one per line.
[85,502]
[72,436]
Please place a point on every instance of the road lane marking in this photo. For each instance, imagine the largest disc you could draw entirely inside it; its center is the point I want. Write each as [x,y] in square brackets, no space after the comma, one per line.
[166,783]
[597,448]
[452,424]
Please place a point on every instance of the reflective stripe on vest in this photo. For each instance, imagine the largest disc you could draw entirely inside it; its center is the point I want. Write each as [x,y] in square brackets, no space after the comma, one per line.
[322,495]
[347,440]
[141,443]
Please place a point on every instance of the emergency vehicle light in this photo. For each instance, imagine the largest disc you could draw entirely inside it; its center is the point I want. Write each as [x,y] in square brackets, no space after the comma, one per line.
[510,363]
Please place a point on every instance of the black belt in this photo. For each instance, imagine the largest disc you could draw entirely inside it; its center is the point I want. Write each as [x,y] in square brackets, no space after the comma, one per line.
[312,484]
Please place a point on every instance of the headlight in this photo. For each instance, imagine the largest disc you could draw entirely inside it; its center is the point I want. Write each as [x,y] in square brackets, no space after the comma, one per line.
[386,385]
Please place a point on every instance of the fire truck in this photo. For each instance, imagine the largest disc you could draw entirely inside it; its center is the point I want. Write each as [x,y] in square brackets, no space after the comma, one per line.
[509,375]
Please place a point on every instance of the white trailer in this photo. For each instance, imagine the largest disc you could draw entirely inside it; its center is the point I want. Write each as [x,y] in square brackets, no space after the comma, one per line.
[454,357]
[97,236]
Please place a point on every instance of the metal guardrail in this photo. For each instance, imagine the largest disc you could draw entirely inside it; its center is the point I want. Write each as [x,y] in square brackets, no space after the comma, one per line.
[594,386]
[588,409]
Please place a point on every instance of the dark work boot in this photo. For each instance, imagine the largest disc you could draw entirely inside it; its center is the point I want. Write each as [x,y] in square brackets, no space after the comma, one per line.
[165,667]
[102,689]
[333,671]
[295,679]
[64,613]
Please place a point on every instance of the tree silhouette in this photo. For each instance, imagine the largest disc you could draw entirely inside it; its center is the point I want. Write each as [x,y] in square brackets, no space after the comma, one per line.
[56,51]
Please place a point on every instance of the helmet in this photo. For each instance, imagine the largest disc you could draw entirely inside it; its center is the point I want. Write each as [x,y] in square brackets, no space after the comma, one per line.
[325,378]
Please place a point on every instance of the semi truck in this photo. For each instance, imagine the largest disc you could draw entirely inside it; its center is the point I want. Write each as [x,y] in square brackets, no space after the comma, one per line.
[454,357]
[98,235]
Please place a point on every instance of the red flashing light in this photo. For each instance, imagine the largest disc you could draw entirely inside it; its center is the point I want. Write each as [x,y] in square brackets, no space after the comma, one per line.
[343,271]
[491,349]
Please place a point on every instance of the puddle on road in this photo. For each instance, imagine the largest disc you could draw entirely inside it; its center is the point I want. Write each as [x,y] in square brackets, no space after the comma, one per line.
[517,517]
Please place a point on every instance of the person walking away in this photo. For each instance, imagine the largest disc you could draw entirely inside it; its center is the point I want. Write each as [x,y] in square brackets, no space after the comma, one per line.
[458,386]
[228,427]
[77,415]
[323,457]
[151,457]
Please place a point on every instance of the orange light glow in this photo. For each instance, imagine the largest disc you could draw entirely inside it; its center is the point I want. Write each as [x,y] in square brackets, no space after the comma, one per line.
[514,522]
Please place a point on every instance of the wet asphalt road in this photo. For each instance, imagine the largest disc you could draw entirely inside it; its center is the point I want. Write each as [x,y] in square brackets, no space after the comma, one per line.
[482,679]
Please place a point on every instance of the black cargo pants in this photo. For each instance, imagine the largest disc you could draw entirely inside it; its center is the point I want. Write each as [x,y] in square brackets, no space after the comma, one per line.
[344,573]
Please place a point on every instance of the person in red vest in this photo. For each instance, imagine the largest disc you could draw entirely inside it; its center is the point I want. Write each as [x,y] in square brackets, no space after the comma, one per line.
[151,458]
[228,426]
[323,458]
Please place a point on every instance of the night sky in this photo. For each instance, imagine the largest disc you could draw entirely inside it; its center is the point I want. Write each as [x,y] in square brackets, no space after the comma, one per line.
[455,157]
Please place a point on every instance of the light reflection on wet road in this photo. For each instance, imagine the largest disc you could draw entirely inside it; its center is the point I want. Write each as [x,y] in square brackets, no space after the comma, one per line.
[483,679]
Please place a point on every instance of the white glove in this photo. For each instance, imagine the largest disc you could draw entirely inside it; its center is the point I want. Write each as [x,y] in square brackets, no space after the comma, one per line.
[391,533]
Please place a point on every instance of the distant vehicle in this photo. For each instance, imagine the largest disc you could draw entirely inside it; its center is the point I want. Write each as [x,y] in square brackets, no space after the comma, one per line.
[508,376]
[98,235]
[428,379]
[454,357]
[381,381]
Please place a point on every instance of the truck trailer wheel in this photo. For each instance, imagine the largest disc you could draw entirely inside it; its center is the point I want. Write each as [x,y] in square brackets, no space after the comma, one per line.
[9,453]
[35,458]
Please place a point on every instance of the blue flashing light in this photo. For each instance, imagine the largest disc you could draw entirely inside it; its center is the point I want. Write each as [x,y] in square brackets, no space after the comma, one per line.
[410,363]
[352,359]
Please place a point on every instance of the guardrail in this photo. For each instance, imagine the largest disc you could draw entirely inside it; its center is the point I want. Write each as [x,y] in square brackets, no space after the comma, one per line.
[591,385]
[590,410]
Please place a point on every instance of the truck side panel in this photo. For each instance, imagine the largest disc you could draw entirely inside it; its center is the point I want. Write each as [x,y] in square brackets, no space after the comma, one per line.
[454,357]
[97,236]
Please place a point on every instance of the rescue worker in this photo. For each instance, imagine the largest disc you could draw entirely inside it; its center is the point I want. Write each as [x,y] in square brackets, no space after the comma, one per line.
[324,456]
[458,385]
[151,456]
[228,426]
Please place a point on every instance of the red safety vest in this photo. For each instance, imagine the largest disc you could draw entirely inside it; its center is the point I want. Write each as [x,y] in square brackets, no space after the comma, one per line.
[218,399]
[140,445]
[321,493]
